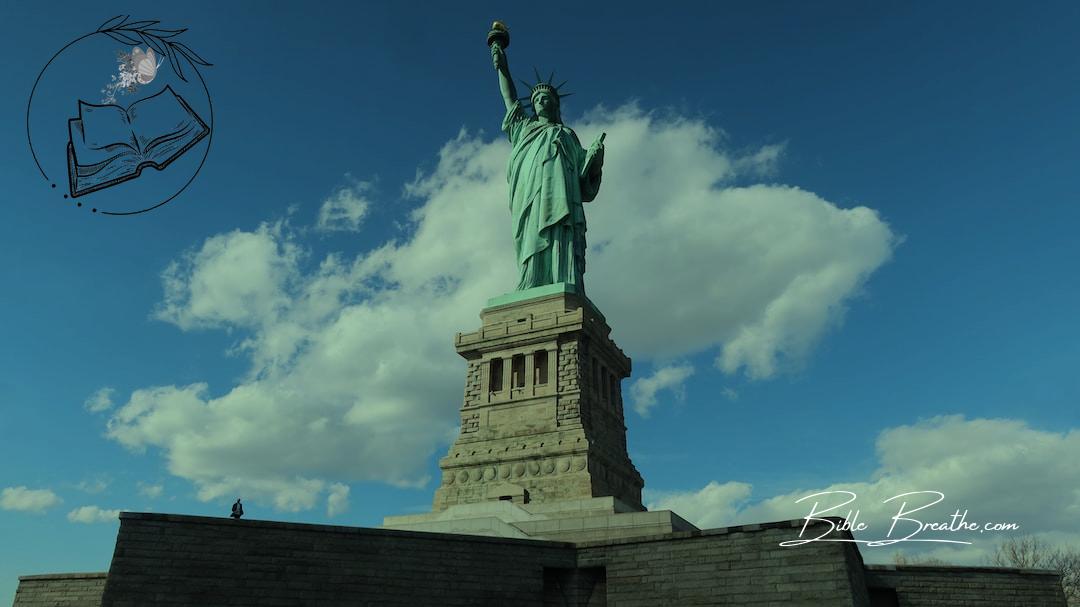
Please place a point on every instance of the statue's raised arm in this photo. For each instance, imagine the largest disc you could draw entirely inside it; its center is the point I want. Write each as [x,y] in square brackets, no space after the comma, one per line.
[498,40]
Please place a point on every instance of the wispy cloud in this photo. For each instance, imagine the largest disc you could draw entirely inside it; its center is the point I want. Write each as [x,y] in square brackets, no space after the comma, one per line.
[93,514]
[99,401]
[94,486]
[670,378]
[763,162]
[337,502]
[152,491]
[24,499]
[345,209]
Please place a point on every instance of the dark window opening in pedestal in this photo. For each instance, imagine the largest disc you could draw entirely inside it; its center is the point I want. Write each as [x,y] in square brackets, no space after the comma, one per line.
[517,371]
[495,375]
[540,364]
[604,385]
[613,386]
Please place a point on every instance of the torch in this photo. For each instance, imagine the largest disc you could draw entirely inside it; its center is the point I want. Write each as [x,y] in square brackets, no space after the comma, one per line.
[499,35]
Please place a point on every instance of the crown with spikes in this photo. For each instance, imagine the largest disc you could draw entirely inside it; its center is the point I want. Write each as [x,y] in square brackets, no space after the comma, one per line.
[544,87]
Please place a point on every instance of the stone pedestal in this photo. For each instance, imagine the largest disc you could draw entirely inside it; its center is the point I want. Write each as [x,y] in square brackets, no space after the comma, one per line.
[580,520]
[542,418]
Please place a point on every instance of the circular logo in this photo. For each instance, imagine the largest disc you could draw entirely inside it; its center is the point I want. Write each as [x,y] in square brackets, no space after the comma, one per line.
[119,120]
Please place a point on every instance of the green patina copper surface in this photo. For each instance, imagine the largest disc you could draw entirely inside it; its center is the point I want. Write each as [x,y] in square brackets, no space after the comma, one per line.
[550,176]
[541,291]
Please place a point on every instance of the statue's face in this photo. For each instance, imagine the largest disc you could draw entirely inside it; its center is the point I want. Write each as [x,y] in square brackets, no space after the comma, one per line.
[546,105]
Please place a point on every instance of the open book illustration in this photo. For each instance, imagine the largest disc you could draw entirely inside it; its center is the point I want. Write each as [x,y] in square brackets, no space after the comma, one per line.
[108,144]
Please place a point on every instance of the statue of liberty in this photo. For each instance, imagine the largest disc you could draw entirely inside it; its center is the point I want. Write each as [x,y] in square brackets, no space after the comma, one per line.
[550,176]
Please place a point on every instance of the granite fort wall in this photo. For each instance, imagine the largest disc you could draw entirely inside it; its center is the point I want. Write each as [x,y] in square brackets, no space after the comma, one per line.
[60,590]
[197,560]
[920,585]
[732,566]
[165,559]
[186,560]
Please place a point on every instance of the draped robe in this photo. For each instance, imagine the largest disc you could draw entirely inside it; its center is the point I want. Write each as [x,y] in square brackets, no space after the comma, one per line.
[547,189]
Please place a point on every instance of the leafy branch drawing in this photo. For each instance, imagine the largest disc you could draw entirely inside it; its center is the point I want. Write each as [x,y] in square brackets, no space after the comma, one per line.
[161,40]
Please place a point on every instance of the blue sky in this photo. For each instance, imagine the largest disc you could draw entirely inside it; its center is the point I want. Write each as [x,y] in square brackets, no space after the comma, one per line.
[837,240]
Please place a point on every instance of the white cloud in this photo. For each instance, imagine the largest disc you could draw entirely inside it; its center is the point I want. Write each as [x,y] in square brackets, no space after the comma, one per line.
[234,279]
[998,470]
[352,363]
[28,500]
[763,162]
[671,378]
[92,514]
[97,485]
[99,401]
[345,209]
[715,505]
[149,490]
[286,494]
[680,262]
[337,501]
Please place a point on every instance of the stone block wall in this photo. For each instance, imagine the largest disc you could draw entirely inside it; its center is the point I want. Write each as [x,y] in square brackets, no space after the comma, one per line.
[60,590]
[731,566]
[187,560]
[473,384]
[568,412]
[935,586]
